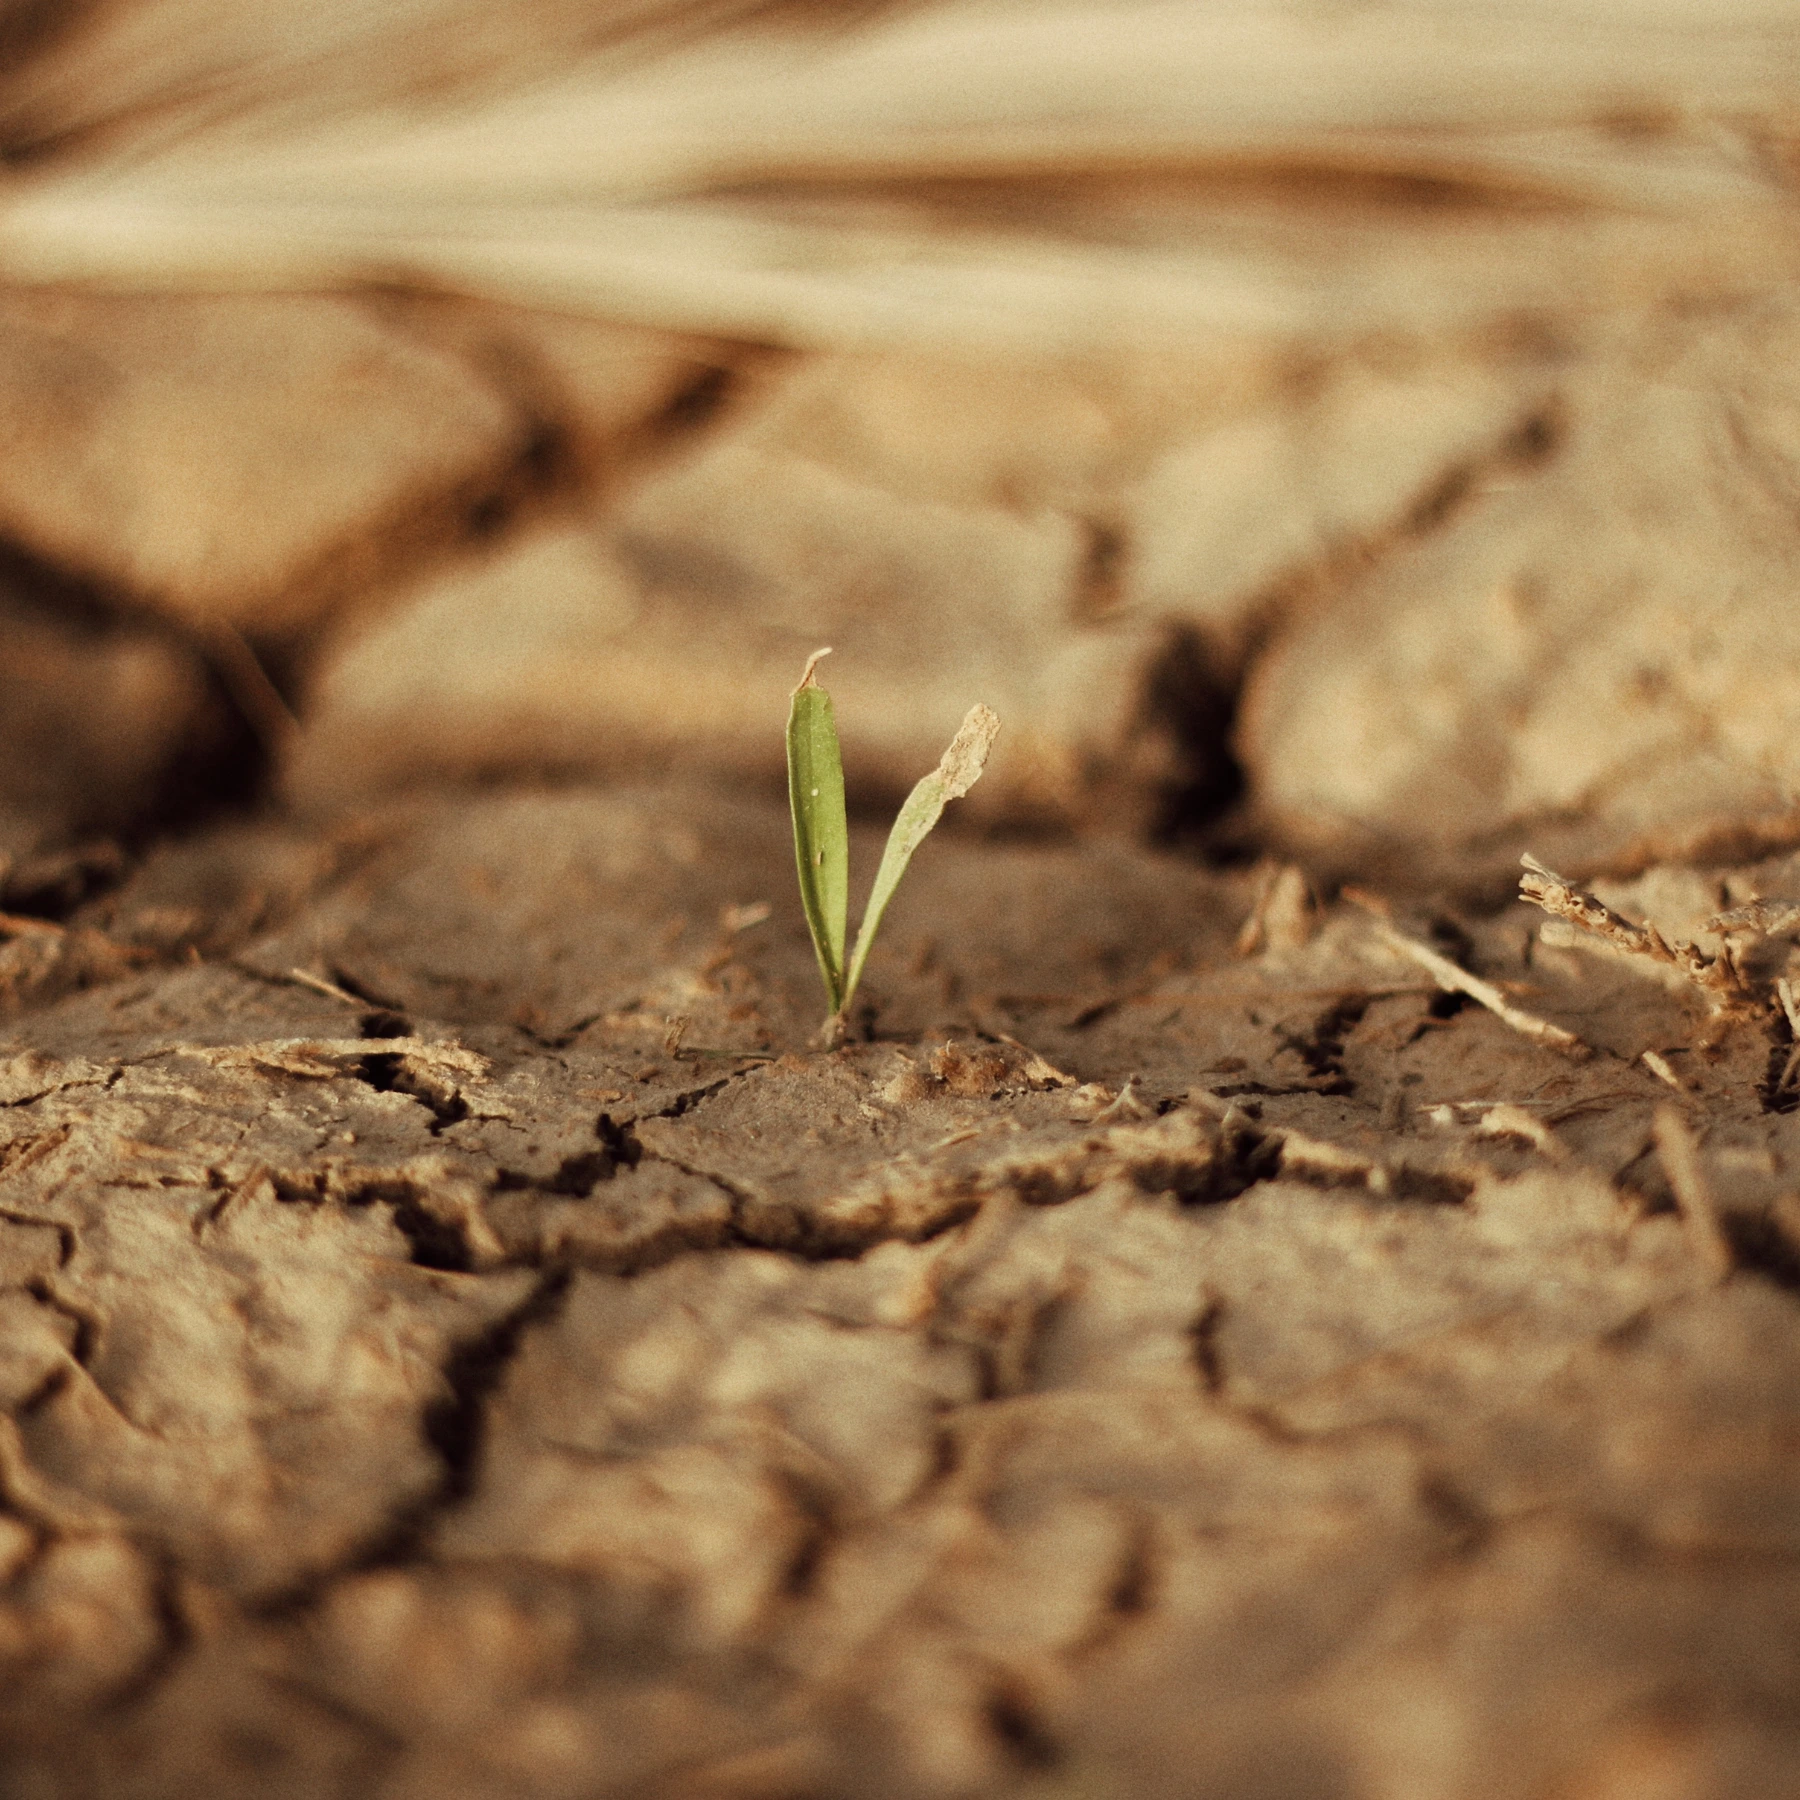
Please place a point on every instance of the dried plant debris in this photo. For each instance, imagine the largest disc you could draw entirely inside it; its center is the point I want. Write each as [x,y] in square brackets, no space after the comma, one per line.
[1765,918]
[1719,977]
[1455,980]
[766,182]
[1284,915]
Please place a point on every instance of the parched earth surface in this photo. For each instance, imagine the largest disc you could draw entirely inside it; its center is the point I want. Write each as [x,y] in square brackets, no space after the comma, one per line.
[1254,1310]
[461,1337]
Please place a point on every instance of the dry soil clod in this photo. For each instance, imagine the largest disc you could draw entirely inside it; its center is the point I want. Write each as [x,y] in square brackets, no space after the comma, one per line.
[1283,916]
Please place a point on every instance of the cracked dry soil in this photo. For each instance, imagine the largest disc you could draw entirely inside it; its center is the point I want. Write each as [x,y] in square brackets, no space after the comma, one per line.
[458,1338]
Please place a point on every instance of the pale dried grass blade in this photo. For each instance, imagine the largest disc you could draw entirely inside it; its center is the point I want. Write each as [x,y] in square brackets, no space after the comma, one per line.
[659,185]
[1456,980]
[1041,86]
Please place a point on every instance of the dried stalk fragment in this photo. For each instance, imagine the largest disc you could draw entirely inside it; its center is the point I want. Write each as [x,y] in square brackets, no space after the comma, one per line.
[1718,977]
[1700,1217]
[1767,918]
[1784,992]
[1455,980]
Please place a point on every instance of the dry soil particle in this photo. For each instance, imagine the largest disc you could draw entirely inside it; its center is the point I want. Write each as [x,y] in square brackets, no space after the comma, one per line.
[1586,652]
[1091,549]
[456,1335]
[141,434]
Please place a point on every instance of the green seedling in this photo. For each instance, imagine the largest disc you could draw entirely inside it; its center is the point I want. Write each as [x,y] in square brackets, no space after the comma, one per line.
[822,833]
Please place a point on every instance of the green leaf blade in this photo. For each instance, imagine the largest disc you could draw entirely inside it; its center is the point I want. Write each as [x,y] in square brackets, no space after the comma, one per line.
[821,830]
[957,772]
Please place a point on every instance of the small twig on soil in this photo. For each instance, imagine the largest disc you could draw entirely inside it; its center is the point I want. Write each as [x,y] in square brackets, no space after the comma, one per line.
[320,985]
[1455,980]
[1718,977]
[244,678]
[1785,994]
[1680,1157]
[16,925]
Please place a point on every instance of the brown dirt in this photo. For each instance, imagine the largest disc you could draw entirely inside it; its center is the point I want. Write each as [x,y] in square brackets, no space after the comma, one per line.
[461,1338]
[1253,1310]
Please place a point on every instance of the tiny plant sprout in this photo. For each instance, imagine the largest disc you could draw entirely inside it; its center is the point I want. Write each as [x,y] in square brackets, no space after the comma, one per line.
[822,834]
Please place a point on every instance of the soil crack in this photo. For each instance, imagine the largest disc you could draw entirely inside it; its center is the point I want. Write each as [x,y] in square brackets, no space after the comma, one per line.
[454,1426]
[576,1177]
[1320,1046]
